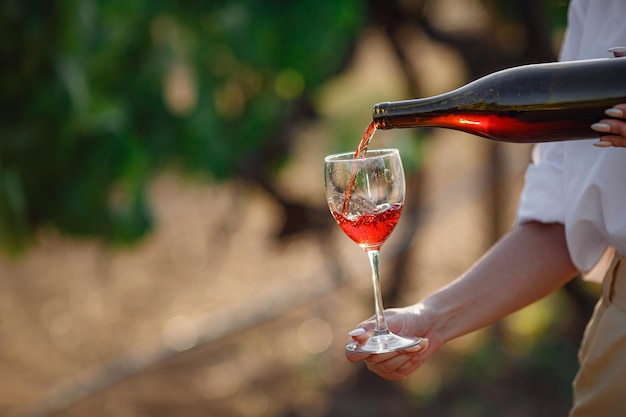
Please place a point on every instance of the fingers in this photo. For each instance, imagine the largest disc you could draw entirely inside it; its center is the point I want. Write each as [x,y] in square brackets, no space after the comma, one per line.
[619,111]
[394,365]
[397,365]
[618,51]
[614,129]
[359,331]
[358,336]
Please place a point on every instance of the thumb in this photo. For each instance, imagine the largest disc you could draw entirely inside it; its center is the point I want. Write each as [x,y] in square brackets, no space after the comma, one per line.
[357,337]
[359,334]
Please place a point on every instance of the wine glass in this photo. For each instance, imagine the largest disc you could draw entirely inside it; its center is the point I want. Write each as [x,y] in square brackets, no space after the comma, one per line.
[365,196]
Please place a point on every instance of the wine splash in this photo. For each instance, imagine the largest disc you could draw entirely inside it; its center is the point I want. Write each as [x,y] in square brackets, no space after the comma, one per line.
[370,230]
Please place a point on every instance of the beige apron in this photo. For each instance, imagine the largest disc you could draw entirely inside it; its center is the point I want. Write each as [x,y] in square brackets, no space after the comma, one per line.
[600,385]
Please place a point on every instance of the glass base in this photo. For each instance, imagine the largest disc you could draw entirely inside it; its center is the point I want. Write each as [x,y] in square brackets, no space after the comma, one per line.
[383,343]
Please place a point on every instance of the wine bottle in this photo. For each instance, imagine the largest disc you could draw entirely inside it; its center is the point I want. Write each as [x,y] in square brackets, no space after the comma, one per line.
[526,104]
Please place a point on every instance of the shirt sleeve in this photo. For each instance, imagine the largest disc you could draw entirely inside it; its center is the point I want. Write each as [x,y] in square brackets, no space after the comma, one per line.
[543,195]
[572,40]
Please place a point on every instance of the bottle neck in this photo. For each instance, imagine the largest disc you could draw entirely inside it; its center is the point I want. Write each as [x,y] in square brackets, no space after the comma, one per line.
[430,111]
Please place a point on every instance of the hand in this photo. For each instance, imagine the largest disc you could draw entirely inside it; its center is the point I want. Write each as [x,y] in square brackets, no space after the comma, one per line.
[407,321]
[614,129]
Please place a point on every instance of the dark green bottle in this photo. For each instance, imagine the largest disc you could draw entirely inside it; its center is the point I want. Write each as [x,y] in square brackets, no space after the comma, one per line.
[526,104]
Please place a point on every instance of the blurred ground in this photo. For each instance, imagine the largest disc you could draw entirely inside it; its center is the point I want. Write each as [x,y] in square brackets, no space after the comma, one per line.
[71,306]
[211,315]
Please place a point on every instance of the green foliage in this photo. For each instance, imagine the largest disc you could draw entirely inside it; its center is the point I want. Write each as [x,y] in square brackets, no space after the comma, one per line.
[100,95]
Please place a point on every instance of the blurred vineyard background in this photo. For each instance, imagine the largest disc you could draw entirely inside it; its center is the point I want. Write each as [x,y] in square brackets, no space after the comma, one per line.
[166,247]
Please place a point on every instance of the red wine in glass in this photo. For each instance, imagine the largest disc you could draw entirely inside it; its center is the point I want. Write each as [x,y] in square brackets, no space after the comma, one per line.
[370,230]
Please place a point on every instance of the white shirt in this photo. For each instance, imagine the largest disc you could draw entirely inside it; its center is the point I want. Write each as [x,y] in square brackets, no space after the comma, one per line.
[575,183]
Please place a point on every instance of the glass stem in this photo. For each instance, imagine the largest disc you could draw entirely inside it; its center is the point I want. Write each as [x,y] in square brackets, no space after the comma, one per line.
[381,324]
